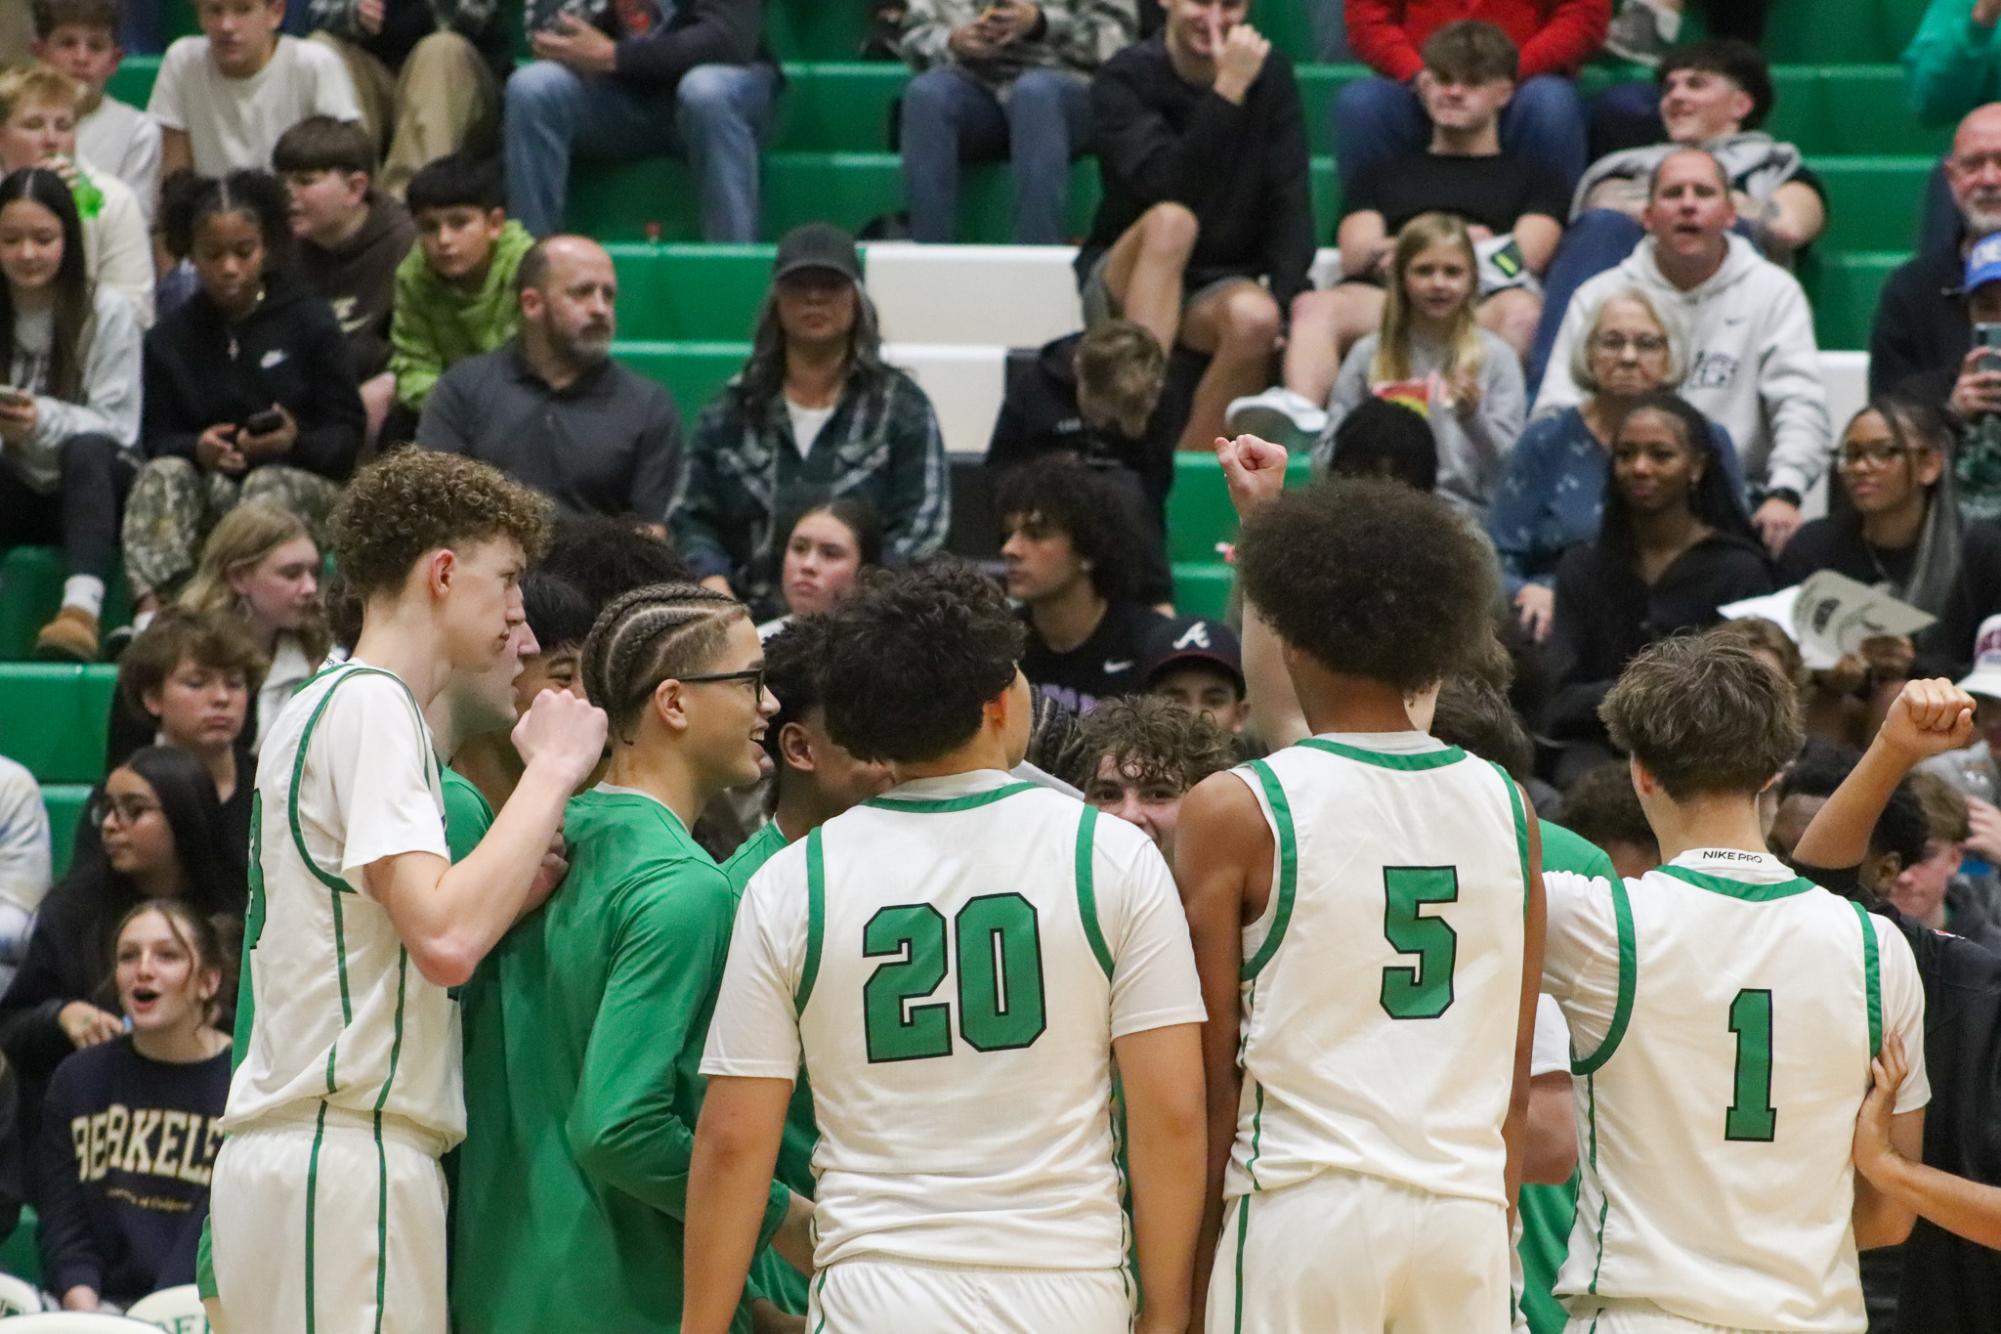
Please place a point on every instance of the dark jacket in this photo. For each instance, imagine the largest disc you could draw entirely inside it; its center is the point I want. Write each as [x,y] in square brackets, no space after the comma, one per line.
[201,371]
[359,280]
[700,32]
[1920,321]
[1976,595]
[1241,169]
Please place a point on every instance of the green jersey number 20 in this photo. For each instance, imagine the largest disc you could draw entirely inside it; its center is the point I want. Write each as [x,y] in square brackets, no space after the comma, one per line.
[1001,1006]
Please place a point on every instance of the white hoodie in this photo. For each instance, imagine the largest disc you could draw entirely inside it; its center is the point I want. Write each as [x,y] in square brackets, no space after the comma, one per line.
[1753,365]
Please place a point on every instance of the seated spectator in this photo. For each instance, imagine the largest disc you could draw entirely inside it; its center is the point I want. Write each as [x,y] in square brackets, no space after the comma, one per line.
[70,416]
[1900,531]
[1673,547]
[25,860]
[1430,352]
[1379,118]
[1205,231]
[159,834]
[426,75]
[1976,770]
[117,1226]
[827,547]
[1601,808]
[815,412]
[38,129]
[261,567]
[1067,552]
[249,396]
[698,83]
[1552,489]
[1713,95]
[223,98]
[1097,396]
[1385,437]
[1009,78]
[456,294]
[552,409]
[1971,390]
[351,238]
[1754,367]
[80,38]
[1934,890]
[1953,63]
[1502,198]
[1975,595]
[1198,663]
[1921,322]
[1136,758]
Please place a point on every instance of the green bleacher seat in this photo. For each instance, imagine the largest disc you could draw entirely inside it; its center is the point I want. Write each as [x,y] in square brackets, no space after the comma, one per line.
[55,718]
[21,1254]
[1202,589]
[64,802]
[695,292]
[692,372]
[1199,515]
[1873,201]
[1843,290]
[31,588]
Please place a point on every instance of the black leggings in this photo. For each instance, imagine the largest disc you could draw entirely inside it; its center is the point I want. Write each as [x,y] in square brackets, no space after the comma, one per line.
[83,514]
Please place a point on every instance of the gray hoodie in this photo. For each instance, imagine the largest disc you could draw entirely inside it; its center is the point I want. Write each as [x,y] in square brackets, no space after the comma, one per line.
[1753,365]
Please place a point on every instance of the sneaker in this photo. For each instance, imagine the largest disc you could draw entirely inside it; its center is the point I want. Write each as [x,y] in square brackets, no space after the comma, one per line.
[1278,415]
[71,636]
[118,639]
[1642,32]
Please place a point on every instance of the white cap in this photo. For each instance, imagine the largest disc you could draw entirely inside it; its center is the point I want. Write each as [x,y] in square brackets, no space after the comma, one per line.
[1985,678]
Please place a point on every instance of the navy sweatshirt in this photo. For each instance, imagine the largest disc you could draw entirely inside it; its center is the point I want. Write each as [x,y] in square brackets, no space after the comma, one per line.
[128,1145]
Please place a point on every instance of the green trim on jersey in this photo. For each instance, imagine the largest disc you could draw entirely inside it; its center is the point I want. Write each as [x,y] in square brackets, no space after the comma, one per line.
[820,1291]
[1087,894]
[1604,1195]
[1521,828]
[1428,759]
[1257,1139]
[312,1196]
[1288,867]
[1629,982]
[816,920]
[1243,1231]
[945,805]
[1739,889]
[1872,976]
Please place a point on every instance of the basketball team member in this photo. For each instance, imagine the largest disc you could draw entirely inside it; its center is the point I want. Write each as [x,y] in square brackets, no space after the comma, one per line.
[328,1205]
[1724,1013]
[958,960]
[1367,919]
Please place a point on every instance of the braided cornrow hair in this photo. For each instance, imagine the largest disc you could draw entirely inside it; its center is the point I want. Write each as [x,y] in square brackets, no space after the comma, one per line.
[647,636]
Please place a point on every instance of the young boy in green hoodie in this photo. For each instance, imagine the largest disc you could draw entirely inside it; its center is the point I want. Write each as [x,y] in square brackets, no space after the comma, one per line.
[455,291]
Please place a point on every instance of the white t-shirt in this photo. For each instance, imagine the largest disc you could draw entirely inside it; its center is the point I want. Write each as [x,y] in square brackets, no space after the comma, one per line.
[117,243]
[232,123]
[806,423]
[125,141]
[24,838]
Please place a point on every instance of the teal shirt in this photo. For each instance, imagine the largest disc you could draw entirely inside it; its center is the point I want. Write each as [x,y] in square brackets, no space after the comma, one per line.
[1952,64]
[467,814]
[584,1031]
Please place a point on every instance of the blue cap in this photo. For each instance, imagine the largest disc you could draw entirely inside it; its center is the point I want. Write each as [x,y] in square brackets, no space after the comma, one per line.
[1983,262]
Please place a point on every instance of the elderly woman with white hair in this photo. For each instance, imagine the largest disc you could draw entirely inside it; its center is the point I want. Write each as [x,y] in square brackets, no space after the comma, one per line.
[1553,490]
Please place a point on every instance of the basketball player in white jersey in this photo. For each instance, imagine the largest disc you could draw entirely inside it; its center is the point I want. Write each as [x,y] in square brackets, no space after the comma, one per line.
[1367,921]
[958,960]
[328,1205]
[1724,1014]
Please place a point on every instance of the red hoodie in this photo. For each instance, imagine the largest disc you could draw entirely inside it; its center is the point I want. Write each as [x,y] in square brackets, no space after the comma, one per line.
[1554,36]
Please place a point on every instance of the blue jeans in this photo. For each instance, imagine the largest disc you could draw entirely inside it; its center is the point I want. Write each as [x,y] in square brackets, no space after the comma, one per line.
[1377,121]
[951,117]
[1626,115]
[715,117]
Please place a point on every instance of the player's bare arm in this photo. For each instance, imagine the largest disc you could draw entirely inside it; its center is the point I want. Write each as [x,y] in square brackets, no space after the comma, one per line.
[1160,1070]
[1928,717]
[729,1185]
[449,915]
[1889,1162]
[1551,1153]
[1223,869]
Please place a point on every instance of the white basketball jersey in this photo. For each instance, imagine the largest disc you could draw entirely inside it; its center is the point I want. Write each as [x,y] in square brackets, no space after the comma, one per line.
[1382,983]
[960,955]
[1716,1104]
[331,1009]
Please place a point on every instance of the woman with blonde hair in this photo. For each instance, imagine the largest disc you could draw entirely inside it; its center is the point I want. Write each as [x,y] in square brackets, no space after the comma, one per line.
[1552,492]
[261,565]
[1431,355]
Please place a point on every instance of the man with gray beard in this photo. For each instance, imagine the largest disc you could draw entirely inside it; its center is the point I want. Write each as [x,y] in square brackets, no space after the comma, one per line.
[1921,323]
[551,409]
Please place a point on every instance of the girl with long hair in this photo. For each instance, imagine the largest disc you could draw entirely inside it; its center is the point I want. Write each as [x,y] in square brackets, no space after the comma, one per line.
[828,545]
[1432,355]
[69,402]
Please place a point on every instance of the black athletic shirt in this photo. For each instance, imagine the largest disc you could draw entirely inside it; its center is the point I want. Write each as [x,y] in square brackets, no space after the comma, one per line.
[1495,191]
[1104,665]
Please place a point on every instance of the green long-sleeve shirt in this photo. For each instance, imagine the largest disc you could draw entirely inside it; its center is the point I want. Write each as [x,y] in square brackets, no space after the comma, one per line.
[1952,64]
[583,1041]
[437,323]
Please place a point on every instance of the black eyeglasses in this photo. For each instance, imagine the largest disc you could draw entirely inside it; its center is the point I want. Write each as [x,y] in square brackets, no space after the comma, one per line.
[127,810]
[753,677]
[1876,455]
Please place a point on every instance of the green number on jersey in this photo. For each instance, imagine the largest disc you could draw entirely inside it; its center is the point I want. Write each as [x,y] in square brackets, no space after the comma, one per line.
[1001,1003]
[253,919]
[1425,990]
[1752,1116]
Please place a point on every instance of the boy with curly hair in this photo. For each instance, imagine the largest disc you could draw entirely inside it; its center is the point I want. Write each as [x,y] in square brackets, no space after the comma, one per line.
[957,961]
[1138,756]
[1366,908]
[328,1203]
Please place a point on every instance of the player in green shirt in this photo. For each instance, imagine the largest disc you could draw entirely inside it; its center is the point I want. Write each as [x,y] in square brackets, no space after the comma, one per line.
[584,1034]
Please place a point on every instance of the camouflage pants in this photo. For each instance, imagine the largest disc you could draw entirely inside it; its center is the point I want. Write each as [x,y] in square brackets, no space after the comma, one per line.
[174,504]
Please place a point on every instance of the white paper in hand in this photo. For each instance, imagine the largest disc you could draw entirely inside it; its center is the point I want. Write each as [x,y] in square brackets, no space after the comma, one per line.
[1830,615]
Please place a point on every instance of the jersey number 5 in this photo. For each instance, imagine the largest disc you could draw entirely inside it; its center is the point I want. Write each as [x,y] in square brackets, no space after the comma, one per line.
[1422,991]
[1001,1004]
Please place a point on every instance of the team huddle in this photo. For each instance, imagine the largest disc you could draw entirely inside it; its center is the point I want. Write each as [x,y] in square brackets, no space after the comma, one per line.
[970,1055]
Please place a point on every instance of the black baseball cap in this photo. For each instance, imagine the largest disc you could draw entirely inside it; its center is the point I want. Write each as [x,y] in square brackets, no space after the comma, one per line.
[1190,639]
[817,245]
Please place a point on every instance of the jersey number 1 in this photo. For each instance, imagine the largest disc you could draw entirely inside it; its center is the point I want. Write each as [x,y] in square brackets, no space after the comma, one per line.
[1752,1116]
[1423,991]
[1001,1005]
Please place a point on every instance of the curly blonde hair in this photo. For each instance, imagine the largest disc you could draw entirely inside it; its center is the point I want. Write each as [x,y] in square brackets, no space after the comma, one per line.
[416,501]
